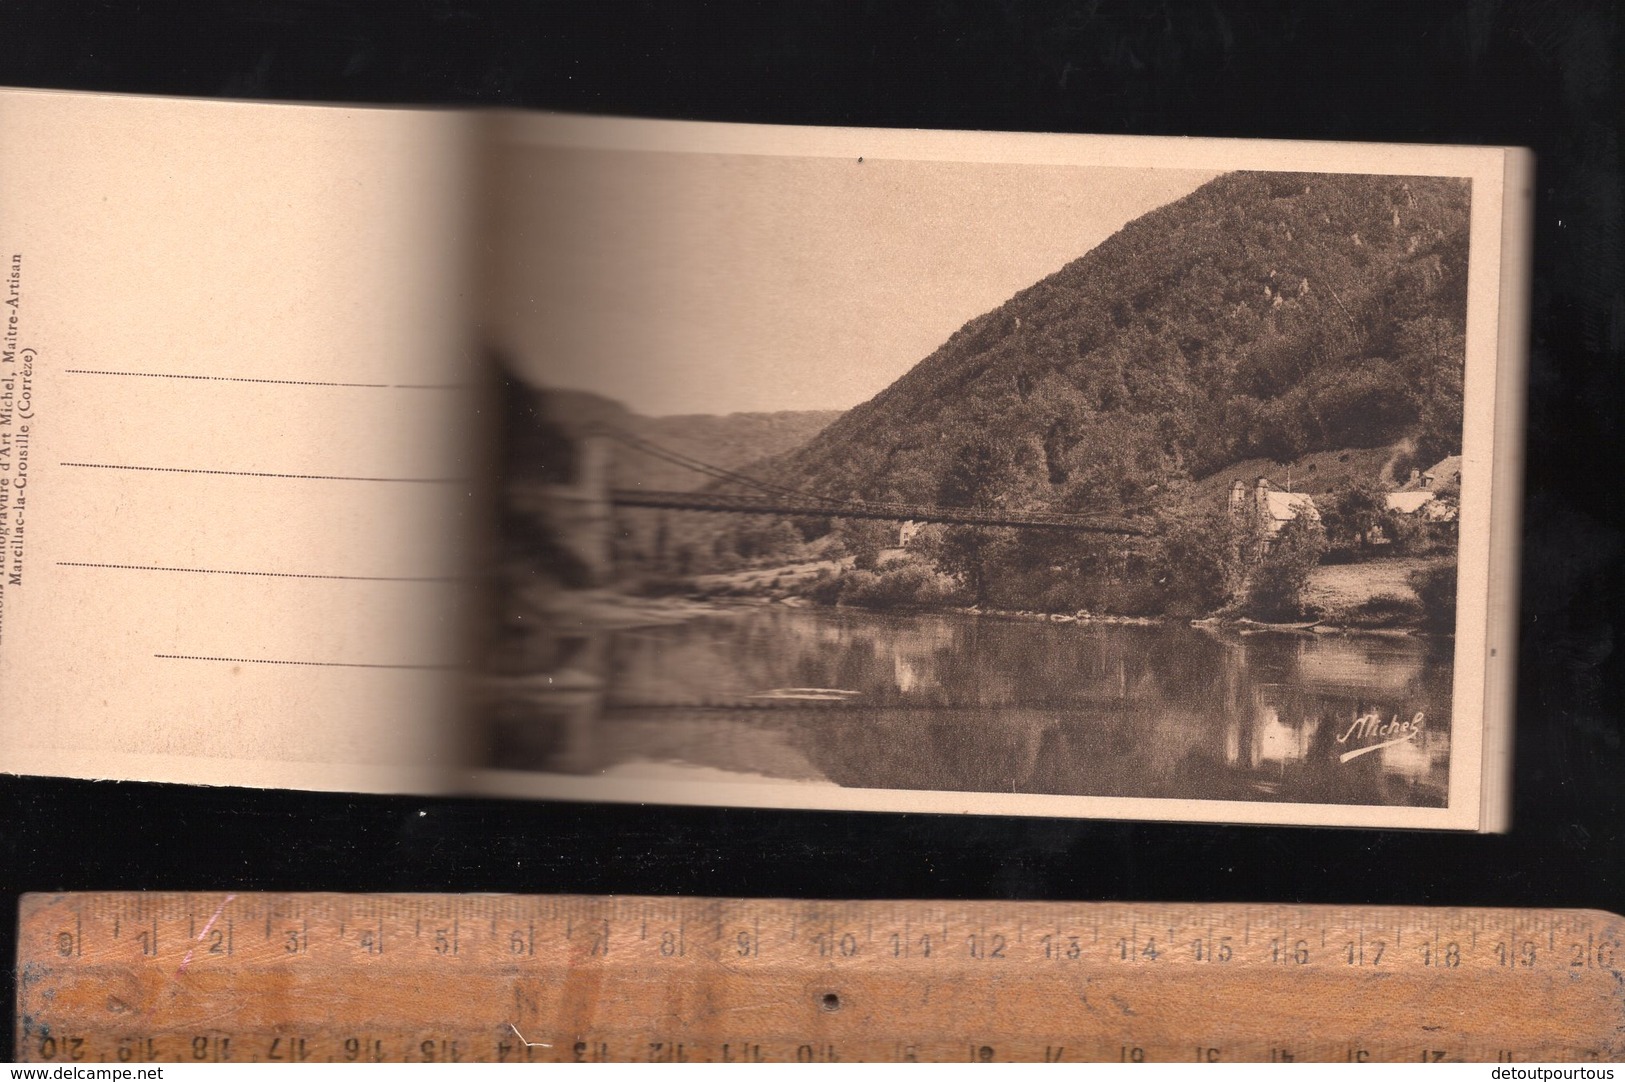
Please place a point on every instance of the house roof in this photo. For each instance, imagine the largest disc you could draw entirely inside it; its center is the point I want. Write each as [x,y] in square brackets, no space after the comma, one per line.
[1286,506]
[1409,502]
[1447,471]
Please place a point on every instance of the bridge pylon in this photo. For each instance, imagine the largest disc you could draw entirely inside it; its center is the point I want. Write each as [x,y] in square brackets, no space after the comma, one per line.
[580,513]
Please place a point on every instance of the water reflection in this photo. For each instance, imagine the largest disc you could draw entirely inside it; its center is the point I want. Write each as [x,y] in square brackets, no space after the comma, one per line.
[981,704]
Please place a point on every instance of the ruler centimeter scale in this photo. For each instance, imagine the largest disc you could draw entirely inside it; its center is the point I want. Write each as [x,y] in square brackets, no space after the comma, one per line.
[328,977]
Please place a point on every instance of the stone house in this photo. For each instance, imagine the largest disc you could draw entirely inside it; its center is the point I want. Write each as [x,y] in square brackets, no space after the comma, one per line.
[1433,494]
[1258,516]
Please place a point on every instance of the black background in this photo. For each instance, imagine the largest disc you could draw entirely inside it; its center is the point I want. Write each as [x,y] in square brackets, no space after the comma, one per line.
[1544,75]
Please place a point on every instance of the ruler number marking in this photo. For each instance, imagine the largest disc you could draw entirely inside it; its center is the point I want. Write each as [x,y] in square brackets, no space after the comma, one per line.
[68,1047]
[446,940]
[1354,952]
[1129,949]
[206,1048]
[357,1048]
[1062,947]
[982,945]
[831,946]
[903,945]
[137,1049]
[1296,954]
[70,944]
[440,1050]
[1593,955]
[1213,949]
[522,941]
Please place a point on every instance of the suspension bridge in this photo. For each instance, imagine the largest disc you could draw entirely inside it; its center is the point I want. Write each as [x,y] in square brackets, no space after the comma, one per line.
[749,495]
[766,504]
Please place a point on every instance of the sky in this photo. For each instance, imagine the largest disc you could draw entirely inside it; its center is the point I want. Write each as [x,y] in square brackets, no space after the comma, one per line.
[707,283]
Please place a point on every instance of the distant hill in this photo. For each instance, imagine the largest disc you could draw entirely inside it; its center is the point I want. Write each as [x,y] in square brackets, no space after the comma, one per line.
[730,441]
[1263,318]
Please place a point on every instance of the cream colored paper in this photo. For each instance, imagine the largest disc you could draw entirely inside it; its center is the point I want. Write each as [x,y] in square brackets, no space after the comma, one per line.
[240,333]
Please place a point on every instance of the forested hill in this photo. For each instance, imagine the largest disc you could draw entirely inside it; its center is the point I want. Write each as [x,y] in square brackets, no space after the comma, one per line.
[1266,315]
[725,440]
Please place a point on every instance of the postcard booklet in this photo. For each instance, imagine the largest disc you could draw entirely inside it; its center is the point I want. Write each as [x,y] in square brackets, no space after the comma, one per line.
[600,459]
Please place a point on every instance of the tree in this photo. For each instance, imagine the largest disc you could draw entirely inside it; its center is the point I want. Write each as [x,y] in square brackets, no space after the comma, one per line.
[760,536]
[965,553]
[1436,588]
[1275,590]
[977,476]
[1197,561]
[865,539]
[1354,514]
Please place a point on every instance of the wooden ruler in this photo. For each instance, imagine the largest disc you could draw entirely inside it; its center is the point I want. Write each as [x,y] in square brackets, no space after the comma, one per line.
[317,977]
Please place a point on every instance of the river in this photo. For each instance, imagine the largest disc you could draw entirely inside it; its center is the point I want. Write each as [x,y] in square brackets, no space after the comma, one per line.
[978,703]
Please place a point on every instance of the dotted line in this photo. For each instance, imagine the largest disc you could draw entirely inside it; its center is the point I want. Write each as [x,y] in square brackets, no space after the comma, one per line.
[306,664]
[253,473]
[280,382]
[220,379]
[264,574]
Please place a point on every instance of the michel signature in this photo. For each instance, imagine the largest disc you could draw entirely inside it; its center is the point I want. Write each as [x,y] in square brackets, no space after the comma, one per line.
[1372,727]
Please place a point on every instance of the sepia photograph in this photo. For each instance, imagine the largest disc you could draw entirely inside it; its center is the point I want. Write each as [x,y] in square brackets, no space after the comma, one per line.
[1085,489]
[812,533]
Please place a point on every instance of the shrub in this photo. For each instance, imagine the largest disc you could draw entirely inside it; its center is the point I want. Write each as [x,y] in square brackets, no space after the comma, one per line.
[822,589]
[1197,559]
[1418,537]
[856,583]
[1408,532]
[1039,590]
[899,587]
[1385,610]
[1275,590]
[1436,587]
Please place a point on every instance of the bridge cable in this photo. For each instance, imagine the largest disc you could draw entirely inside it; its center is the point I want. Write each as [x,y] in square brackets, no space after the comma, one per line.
[836,505]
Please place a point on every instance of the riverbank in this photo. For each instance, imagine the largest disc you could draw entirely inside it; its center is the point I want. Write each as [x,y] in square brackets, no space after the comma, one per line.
[1341,587]
[677,610]
[1378,597]
[611,610]
[1382,595]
